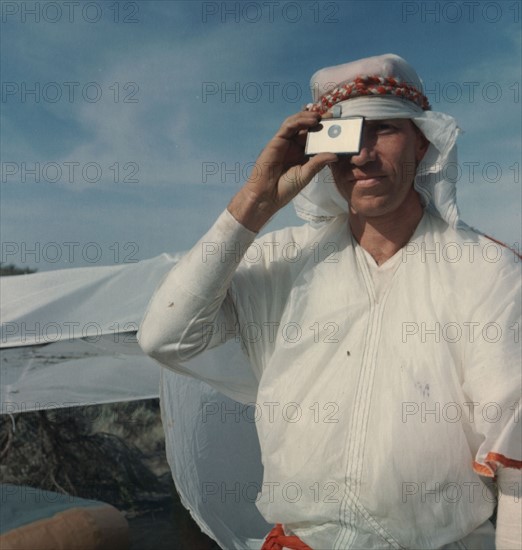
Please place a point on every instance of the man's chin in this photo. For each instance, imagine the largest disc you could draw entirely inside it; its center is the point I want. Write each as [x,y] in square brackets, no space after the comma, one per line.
[371,207]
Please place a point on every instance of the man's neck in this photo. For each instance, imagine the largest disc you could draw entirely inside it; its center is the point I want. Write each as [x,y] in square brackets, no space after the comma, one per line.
[383,236]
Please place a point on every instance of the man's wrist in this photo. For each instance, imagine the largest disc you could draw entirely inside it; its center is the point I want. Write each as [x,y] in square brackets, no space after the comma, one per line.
[250,210]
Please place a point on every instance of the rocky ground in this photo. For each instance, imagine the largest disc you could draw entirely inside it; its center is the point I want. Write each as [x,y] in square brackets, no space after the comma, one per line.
[114,453]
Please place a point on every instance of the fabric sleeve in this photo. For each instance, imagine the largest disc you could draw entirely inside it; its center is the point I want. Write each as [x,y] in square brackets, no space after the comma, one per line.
[192,310]
[492,373]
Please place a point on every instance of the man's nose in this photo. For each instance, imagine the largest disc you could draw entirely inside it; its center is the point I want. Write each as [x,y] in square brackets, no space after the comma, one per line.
[366,154]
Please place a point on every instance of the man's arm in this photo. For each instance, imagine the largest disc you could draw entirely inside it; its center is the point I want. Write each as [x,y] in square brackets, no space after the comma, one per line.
[192,301]
[509,512]
[190,310]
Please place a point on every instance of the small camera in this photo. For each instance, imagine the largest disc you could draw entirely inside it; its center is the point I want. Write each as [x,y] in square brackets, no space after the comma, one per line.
[337,135]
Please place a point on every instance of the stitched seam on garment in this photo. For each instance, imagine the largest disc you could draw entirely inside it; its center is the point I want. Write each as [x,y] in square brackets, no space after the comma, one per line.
[346,514]
[356,444]
[346,537]
[376,526]
[381,530]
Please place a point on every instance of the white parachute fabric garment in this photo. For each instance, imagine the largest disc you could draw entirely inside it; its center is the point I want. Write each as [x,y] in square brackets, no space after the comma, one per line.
[68,339]
[213,452]
[301,372]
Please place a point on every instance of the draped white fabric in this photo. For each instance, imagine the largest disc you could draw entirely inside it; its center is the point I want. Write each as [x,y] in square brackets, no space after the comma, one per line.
[68,339]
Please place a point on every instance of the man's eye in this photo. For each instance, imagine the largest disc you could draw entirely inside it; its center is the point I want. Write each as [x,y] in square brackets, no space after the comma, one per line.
[385,128]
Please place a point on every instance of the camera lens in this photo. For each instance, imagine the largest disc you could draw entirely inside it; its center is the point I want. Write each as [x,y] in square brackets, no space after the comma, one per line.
[334,131]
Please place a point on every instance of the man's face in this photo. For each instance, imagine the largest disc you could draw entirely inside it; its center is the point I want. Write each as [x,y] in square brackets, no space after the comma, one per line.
[377,181]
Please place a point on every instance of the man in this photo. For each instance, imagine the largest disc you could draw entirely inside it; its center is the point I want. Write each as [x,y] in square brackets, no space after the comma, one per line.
[353,324]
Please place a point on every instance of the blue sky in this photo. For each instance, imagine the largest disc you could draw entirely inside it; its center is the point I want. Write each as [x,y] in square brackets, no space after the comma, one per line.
[145,116]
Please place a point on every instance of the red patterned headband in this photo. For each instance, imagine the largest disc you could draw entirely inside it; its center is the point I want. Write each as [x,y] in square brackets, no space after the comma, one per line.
[371,85]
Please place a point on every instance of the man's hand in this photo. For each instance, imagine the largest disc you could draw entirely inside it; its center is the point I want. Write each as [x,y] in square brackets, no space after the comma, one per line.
[280,172]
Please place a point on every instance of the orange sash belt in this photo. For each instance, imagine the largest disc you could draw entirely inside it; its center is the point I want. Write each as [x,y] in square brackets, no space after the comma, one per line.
[277,540]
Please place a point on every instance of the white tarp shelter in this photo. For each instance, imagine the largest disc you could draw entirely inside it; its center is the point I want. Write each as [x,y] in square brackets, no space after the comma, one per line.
[68,338]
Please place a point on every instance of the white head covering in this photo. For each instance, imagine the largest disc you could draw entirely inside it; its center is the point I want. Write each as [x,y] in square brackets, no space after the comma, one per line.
[320,199]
